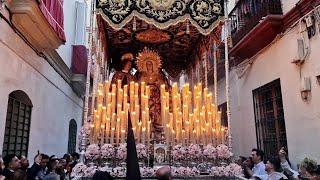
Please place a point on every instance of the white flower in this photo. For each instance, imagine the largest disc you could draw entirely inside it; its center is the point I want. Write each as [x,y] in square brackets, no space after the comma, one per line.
[107,151]
[210,152]
[194,151]
[223,152]
[122,151]
[93,152]
[141,150]
[78,170]
[179,152]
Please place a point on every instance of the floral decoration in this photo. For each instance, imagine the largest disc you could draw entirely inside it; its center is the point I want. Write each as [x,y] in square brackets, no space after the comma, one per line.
[179,152]
[107,151]
[93,152]
[78,170]
[194,151]
[147,172]
[81,132]
[210,152]
[122,151]
[223,152]
[141,151]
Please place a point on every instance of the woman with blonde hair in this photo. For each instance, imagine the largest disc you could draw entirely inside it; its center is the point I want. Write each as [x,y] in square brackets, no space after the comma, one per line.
[308,169]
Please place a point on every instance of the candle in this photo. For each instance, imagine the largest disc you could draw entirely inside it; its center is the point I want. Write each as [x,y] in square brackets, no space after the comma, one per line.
[118,131]
[143,134]
[107,129]
[123,134]
[113,125]
[167,134]
[102,130]
[106,90]
[143,84]
[148,133]
[113,99]
[122,126]
[183,137]
[222,135]
[139,132]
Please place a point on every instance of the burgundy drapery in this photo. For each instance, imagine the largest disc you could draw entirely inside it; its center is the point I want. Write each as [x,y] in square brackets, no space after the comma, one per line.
[79,59]
[53,11]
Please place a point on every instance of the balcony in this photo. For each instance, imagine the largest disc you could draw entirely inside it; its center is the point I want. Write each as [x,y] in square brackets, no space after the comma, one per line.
[254,24]
[247,14]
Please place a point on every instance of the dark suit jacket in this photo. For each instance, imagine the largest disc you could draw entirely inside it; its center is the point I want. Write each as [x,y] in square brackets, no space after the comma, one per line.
[7,173]
[33,171]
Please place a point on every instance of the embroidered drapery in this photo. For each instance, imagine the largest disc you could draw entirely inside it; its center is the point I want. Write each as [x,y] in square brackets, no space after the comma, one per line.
[53,11]
[203,14]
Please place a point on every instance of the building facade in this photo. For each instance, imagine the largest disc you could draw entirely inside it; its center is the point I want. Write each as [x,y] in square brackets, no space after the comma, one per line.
[274,79]
[41,98]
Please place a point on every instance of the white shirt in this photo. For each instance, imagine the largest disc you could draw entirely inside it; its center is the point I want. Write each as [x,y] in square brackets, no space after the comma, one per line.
[259,170]
[286,165]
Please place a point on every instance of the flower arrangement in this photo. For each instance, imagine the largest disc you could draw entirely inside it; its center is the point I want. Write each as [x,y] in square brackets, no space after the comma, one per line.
[118,172]
[83,130]
[89,172]
[122,151]
[93,152]
[78,170]
[235,169]
[147,172]
[230,170]
[210,152]
[184,171]
[141,151]
[179,152]
[107,151]
[223,152]
[194,151]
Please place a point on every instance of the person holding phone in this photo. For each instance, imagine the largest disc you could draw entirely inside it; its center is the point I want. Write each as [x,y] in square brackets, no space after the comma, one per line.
[39,168]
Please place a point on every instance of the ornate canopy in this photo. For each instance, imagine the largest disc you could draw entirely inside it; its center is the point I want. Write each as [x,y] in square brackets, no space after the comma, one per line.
[205,15]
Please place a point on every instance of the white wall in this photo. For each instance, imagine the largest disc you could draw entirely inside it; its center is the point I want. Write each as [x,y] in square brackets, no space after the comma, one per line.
[302,118]
[287,5]
[65,51]
[54,102]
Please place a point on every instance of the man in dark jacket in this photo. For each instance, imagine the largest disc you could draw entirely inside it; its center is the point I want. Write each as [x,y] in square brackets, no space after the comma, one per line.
[39,167]
[12,164]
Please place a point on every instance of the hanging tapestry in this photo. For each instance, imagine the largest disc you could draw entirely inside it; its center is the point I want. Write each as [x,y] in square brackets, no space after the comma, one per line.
[203,14]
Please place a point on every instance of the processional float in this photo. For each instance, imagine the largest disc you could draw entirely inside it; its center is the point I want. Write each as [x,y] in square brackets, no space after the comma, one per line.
[191,133]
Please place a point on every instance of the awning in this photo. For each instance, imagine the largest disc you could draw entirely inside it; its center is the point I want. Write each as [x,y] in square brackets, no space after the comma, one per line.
[205,15]
[53,11]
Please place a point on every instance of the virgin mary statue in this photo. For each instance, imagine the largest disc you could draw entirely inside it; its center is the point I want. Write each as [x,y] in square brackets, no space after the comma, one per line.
[148,64]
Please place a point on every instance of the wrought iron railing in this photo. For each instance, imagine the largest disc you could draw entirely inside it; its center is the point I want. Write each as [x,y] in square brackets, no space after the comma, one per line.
[247,14]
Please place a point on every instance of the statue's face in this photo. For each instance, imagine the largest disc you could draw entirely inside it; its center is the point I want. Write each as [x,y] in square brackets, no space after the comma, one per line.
[149,66]
[127,66]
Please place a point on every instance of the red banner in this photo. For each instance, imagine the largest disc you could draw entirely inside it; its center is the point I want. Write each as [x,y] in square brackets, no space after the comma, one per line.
[53,11]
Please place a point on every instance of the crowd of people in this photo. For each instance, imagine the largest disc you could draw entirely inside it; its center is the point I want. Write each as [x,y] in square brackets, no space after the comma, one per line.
[14,167]
[277,168]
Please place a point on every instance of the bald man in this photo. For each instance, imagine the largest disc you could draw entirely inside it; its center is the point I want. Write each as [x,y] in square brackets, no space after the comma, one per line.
[164,173]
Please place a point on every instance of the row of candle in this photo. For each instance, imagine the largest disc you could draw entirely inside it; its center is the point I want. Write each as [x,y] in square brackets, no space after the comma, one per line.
[192,118]
[112,110]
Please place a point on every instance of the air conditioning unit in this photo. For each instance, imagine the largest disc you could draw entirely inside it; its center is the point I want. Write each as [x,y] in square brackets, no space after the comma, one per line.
[301,51]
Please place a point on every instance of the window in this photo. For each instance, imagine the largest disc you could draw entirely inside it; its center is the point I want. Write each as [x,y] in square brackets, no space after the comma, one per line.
[72,136]
[269,118]
[17,128]
[224,118]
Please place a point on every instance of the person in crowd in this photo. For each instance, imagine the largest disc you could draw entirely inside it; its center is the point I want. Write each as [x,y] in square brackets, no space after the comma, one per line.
[273,167]
[39,168]
[24,163]
[1,169]
[308,169]
[285,164]
[164,173]
[12,164]
[100,175]
[52,167]
[75,159]
[258,171]
[61,169]
[19,175]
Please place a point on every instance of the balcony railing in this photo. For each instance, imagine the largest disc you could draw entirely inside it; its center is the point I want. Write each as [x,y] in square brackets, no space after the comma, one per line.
[247,14]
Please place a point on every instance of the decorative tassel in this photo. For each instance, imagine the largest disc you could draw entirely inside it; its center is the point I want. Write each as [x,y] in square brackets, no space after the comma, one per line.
[134,24]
